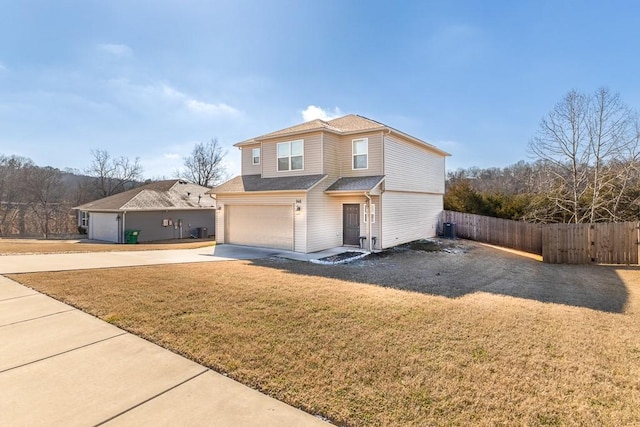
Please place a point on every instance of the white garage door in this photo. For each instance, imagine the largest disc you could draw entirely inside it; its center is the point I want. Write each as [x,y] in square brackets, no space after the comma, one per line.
[103,226]
[270,226]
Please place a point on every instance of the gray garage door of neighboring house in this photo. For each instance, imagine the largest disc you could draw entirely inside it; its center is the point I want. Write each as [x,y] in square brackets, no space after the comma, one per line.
[270,226]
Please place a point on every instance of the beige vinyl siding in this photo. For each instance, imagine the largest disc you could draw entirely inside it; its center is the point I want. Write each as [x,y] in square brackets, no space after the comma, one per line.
[312,156]
[374,155]
[331,165]
[299,220]
[325,219]
[409,167]
[324,215]
[248,168]
[408,216]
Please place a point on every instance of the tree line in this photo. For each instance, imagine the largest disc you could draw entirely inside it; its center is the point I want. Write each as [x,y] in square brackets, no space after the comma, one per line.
[38,200]
[585,168]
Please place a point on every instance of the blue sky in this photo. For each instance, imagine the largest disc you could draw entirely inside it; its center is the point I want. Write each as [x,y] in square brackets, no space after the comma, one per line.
[149,79]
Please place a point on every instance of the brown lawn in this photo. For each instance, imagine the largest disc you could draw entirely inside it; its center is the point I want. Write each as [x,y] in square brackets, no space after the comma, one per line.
[32,246]
[508,341]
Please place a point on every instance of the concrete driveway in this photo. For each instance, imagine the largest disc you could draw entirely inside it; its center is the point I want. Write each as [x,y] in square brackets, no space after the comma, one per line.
[61,366]
[83,261]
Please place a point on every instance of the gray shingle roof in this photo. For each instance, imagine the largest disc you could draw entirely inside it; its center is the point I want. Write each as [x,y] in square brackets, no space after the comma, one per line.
[345,124]
[359,183]
[248,183]
[169,194]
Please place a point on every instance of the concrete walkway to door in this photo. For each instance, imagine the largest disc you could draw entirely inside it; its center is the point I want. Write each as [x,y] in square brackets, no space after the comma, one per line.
[60,366]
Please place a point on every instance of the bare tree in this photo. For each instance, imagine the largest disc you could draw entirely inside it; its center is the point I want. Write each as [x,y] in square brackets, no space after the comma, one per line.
[589,148]
[205,164]
[12,192]
[45,194]
[113,175]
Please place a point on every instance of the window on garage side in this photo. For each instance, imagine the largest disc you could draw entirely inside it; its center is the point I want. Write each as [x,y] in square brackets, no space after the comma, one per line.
[255,156]
[84,219]
[360,153]
[290,155]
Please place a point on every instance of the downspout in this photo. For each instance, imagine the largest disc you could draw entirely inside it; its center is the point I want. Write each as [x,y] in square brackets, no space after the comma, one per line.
[366,194]
[124,214]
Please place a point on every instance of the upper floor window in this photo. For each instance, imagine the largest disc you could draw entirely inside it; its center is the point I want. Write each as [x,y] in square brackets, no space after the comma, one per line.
[360,153]
[255,156]
[291,155]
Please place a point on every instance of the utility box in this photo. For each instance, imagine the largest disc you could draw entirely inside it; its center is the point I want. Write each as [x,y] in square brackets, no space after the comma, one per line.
[449,230]
[203,233]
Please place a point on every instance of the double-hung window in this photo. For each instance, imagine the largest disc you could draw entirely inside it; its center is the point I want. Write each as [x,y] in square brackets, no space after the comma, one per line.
[255,156]
[360,153]
[84,218]
[291,155]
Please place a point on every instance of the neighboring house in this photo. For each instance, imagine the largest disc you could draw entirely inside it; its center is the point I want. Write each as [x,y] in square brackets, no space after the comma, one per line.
[161,210]
[322,184]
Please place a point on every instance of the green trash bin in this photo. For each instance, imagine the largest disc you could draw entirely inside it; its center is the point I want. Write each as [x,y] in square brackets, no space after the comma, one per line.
[131,236]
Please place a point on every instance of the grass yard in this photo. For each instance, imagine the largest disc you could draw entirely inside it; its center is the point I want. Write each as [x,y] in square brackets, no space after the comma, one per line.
[32,246]
[357,348]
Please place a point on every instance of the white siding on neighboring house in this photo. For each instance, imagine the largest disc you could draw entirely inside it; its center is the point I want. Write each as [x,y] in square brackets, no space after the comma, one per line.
[312,156]
[103,226]
[408,216]
[409,167]
[288,199]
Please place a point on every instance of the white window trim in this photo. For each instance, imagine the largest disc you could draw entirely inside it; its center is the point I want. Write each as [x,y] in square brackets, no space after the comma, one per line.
[84,218]
[289,156]
[253,157]
[353,154]
[366,213]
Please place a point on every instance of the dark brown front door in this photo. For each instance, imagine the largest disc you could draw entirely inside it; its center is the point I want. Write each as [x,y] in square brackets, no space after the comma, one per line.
[351,224]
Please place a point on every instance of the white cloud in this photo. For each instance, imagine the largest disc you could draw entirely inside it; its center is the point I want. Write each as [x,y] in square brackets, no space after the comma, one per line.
[210,109]
[119,50]
[154,95]
[197,106]
[312,112]
[3,68]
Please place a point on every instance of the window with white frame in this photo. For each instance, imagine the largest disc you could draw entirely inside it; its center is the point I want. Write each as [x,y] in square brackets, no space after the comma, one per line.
[360,153]
[291,155]
[84,219]
[368,215]
[255,156]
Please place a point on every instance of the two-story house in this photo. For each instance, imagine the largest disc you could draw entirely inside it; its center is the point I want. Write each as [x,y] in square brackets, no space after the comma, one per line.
[323,184]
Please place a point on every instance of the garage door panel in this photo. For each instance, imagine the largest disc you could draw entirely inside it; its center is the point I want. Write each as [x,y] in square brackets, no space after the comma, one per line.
[103,226]
[260,225]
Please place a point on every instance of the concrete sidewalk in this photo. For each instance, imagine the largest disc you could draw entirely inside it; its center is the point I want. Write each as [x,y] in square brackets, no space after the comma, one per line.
[60,366]
[91,260]
[83,261]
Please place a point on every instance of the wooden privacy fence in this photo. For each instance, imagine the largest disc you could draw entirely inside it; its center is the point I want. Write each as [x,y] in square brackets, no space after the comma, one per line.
[602,243]
[523,236]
